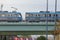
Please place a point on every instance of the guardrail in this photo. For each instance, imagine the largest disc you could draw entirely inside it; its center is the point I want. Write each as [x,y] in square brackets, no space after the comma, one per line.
[27,23]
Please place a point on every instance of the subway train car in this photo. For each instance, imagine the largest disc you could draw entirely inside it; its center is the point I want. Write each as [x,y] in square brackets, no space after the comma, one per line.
[32,17]
[10,16]
[41,16]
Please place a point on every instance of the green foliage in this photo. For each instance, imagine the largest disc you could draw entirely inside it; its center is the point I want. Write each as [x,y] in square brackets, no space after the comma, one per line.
[25,35]
[41,38]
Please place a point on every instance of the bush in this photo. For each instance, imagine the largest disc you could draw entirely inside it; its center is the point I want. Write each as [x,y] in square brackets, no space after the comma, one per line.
[41,38]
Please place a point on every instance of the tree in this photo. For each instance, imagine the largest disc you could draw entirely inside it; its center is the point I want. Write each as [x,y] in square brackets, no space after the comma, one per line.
[41,38]
[26,36]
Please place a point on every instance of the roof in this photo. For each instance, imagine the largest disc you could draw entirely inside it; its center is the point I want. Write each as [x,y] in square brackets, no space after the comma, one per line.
[13,12]
[40,12]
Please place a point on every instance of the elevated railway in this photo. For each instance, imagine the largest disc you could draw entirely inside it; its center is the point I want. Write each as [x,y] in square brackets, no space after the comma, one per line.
[15,28]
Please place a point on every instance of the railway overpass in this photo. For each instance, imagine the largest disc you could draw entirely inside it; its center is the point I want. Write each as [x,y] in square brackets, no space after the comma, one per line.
[26,28]
[15,28]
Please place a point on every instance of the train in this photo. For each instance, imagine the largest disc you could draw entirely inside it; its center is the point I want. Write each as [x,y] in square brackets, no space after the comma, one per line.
[10,16]
[41,16]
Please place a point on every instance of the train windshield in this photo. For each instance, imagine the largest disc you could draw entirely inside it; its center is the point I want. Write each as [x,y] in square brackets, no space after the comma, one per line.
[18,15]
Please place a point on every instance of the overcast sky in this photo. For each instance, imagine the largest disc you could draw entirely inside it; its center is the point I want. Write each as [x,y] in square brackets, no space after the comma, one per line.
[28,5]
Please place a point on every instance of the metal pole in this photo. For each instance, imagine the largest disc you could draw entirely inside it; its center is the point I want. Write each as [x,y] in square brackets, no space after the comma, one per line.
[55,15]
[55,6]
[1,7]
[47,6]
[47,21]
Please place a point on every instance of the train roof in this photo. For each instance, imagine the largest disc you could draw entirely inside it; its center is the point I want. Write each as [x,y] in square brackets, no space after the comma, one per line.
[32,12]
[13,12]
[43,12]
[40,12]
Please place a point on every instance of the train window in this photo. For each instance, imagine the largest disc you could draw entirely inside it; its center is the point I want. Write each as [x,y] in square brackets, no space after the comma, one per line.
[50,20]
[49,15]
[14,15]
[58,15]
[3,15]
[42,20]
[27,15]
[31,14]
[6,14]
[39,15]
[52,15]
[34,14]
[45,15]
[17,15]
[0,15]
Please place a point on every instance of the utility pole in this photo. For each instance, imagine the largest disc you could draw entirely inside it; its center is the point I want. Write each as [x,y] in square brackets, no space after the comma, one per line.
[1,7]
[46,19]
[55,15]
[55,5]
[55,12]
[47,6]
